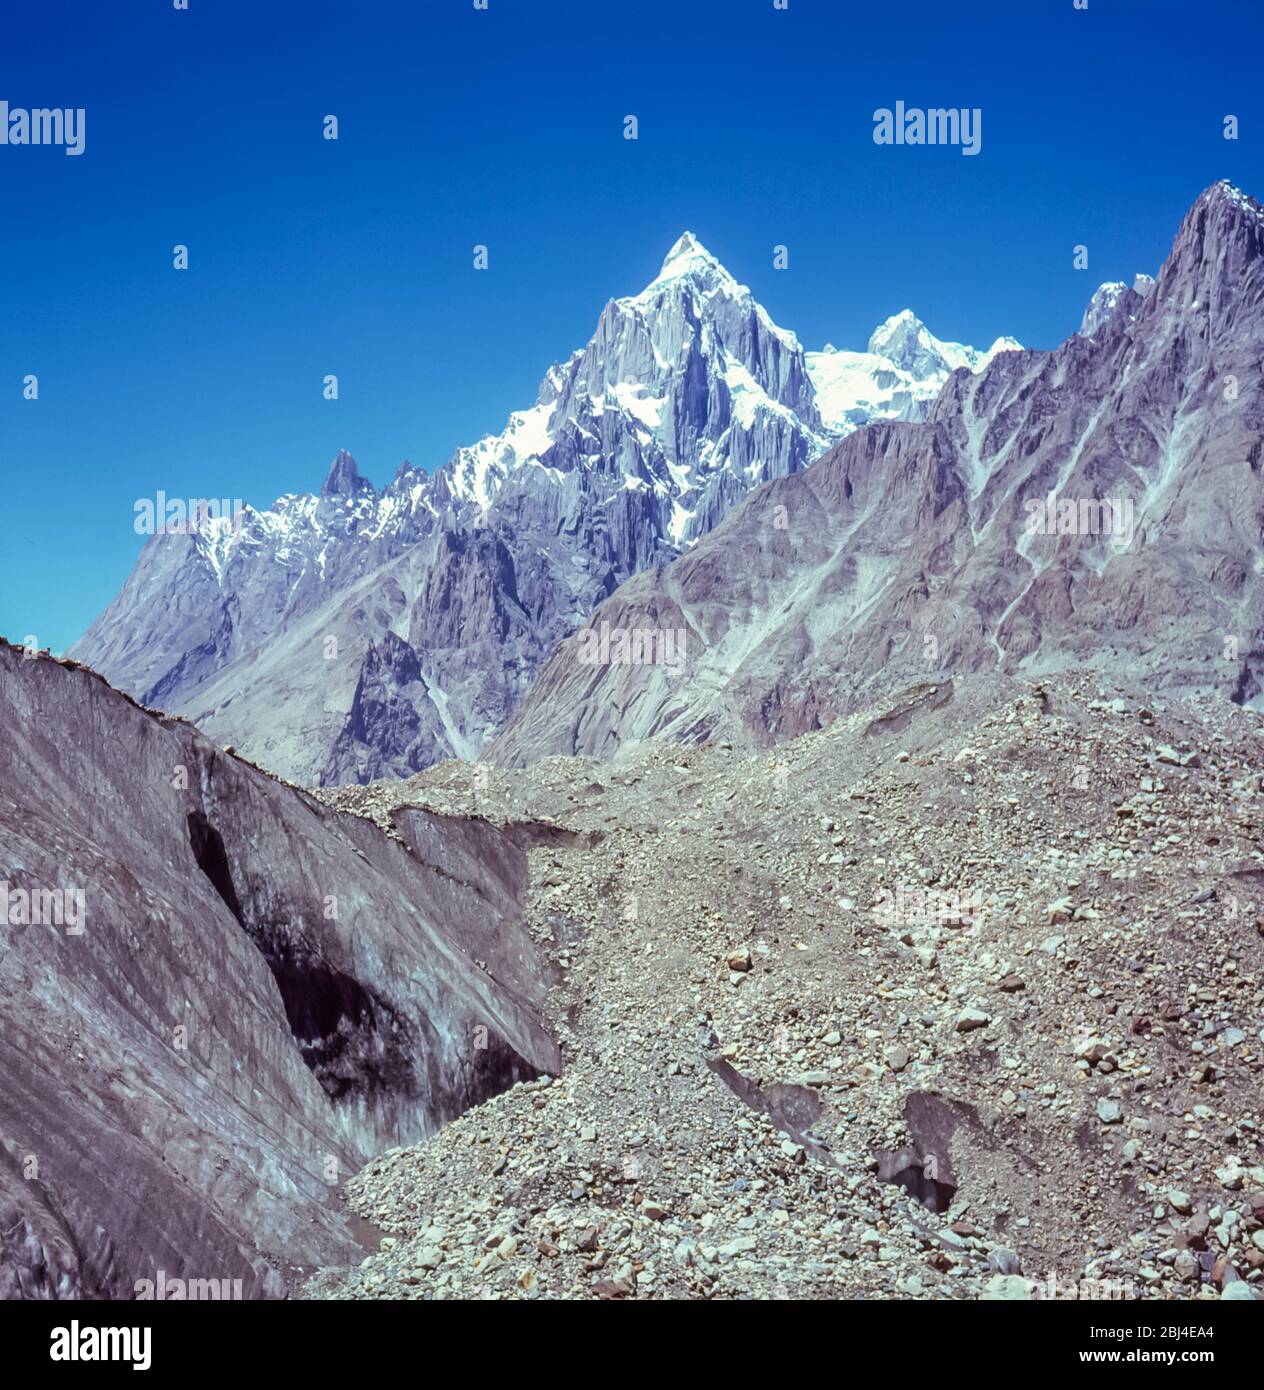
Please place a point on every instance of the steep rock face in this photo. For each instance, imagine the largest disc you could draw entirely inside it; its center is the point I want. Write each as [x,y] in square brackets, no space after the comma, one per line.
[383,729]
[913,551]
[678,386]
[255,995]
[268,629]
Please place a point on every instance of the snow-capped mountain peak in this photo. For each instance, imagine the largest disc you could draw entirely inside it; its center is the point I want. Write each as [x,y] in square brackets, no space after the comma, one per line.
[688,256]
[690,392]
[905,341]
[683,384]
[897,377]
[690,271]
[1004,343]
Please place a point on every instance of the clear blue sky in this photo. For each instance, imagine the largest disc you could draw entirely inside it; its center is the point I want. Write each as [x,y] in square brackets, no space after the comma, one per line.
[505,127]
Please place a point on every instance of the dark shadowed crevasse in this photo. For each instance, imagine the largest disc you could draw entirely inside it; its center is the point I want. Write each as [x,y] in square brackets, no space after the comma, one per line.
[353,1041]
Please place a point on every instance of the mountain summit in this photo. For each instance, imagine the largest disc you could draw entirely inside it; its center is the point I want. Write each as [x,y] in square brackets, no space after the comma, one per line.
[687,391]
[906,342]
[344,478]
[688,256]
[896,378]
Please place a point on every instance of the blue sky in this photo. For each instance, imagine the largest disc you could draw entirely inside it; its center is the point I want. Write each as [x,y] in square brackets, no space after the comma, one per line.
[505,127]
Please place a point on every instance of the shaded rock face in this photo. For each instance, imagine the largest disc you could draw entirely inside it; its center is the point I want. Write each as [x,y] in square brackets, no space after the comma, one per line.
[914,551]
[794,1109]
[383,729]
[284,632]
[258,994]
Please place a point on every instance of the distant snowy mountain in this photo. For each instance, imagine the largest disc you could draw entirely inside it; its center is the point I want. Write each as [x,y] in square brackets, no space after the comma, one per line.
[363,633]
[896,378]
[687,390]
[704,414]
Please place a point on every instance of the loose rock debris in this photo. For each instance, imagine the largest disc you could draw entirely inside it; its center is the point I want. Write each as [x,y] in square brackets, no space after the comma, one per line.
[795,1067]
